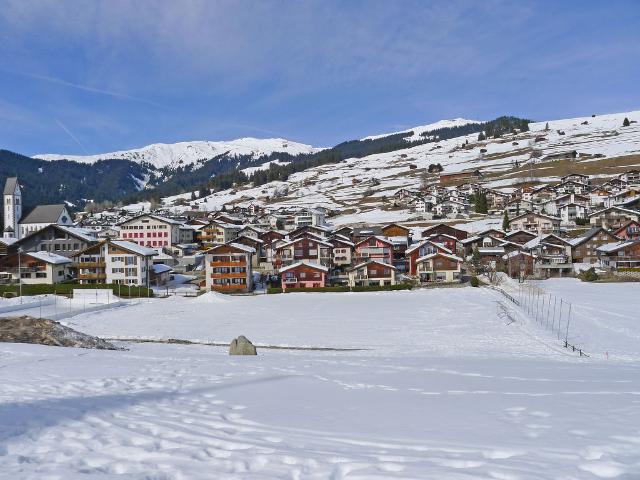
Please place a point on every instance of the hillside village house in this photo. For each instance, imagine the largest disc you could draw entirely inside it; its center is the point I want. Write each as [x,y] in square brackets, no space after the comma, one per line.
[629,231]
[228,268]
[115,262]
[342,250]
[535,222]
[151,231]
[374,248]
[307,248]
[625,254]
[613,217]
[58,239]
[439,267]
[256,244]
[445,229]
[372,272]
[422,249]
[217,231]
[303,275]
[34,268]
[584,248]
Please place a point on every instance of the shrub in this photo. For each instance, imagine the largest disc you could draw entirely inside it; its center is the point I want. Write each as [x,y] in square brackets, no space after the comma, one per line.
[67,288]
[378,288]
[474,281]
[588,275]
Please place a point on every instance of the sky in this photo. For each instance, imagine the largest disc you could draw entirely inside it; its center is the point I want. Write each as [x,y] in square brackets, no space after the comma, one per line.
[86,77]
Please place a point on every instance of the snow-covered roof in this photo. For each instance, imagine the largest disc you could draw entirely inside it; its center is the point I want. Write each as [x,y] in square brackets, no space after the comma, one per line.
[82,233]
[614,246]
[438,254]
[135,248]
[516,253]
[306,264]
[161,268]
[49,257]
[377,262]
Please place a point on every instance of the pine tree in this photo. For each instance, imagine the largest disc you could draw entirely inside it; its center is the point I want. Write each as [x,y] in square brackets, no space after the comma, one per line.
[546,127]
[476,260]
[626,122]
[505,221]
[481,137]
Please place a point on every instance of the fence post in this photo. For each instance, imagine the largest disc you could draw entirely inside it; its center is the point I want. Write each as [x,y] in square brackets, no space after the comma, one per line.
[560,318]
[566,337]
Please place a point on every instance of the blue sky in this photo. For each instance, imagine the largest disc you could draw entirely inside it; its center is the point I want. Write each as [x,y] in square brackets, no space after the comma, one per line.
[83,77]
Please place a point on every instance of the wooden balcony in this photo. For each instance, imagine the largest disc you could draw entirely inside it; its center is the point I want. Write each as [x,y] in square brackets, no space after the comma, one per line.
[229,275]
[238,263]
[228,288]
[92,276]
[100,264]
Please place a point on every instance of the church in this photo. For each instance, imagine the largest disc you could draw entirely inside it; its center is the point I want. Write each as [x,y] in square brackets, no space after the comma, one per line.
[15,226]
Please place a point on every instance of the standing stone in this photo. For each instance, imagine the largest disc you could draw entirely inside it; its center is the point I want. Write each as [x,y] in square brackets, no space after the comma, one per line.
[242,346]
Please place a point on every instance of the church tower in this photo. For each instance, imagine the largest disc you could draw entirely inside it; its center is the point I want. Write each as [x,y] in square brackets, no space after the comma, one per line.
[12,204]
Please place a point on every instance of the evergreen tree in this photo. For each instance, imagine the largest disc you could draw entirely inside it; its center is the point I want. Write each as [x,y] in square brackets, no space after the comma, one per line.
[476,260]
[505,221]
[481,137]
[546,127]
[193,195]
[626,122]
[481,203]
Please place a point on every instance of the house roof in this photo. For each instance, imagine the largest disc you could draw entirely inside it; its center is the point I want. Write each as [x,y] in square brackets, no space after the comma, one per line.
[306,264]
[516,253]
[614,246]
[589,234]
[239,246]
[161,268]
[424,242]
[10,185]
[625,210]
[44,214]
[377,262]
[134,248]
[49,257]
[155,217]
[377,237]
[438,254]
[535,215]
[515,232]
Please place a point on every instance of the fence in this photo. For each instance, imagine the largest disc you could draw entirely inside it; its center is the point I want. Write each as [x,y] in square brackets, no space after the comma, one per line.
[549,311]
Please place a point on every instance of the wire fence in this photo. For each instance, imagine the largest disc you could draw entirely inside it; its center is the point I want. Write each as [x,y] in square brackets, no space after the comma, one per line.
[549,311]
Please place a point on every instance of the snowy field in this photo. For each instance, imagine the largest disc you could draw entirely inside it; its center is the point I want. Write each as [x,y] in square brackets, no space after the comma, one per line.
[442,388]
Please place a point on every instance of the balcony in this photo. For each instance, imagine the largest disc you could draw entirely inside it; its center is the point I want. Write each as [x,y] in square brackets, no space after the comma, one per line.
[226,263]
[229,275]
[99,264]
[92,276]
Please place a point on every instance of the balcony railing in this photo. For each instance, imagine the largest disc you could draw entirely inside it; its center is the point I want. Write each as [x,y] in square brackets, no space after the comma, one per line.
[92,276]
[100,264]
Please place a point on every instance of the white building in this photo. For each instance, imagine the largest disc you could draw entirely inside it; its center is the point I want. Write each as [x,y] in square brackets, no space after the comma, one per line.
[115,261]
[151,231]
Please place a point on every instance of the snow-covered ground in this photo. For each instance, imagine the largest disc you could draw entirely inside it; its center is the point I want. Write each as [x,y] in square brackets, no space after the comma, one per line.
[443,388]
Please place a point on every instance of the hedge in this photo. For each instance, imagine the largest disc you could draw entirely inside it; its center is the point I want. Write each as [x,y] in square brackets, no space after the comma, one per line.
[628,269]
[67,288]
[371,288]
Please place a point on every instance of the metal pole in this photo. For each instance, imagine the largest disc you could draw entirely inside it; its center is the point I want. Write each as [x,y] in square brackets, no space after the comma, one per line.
[548,309]
[553,321]
[20,273]
[560,318]
[566,336]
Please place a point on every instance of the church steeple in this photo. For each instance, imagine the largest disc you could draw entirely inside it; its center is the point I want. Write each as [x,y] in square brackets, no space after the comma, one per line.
[12,207]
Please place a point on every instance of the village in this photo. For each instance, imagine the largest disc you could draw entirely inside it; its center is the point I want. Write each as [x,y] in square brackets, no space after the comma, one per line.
[529,232]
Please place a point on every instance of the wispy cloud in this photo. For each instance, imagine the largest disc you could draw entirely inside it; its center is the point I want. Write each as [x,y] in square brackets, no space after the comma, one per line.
[71,135]
[86,88]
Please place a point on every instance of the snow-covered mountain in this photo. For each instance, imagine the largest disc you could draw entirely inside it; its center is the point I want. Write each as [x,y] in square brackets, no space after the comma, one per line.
[456,122]
[173,155]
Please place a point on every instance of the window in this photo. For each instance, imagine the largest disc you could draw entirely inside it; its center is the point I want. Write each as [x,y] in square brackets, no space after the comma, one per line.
[303,275]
